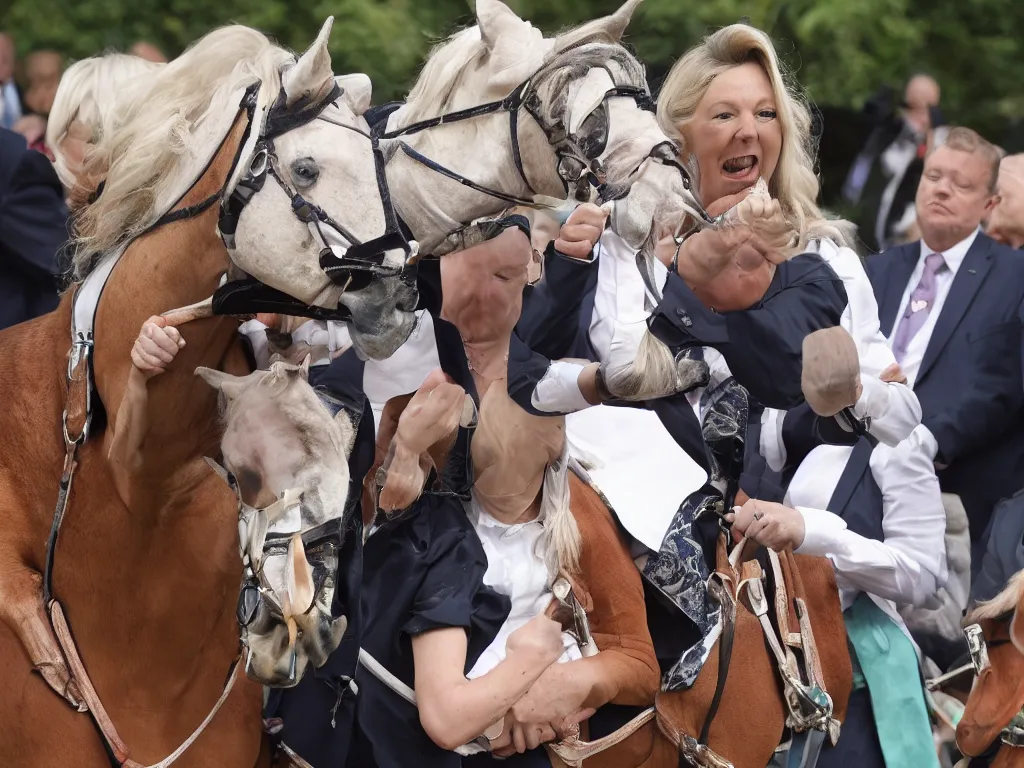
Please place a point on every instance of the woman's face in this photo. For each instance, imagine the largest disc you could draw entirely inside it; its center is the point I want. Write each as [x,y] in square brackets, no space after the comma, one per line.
[735,135]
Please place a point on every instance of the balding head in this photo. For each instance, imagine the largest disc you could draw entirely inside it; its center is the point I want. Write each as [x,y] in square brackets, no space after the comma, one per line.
[6,57]
[1006,222]
[922,93]
[149,52]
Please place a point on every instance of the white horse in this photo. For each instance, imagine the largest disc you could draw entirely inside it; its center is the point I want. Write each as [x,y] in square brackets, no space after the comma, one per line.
[502,116]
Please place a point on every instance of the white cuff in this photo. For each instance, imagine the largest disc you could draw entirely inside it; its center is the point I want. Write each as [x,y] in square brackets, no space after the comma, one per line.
[874,398]
[338,338]
[820,529]
[772,447]
[559,390]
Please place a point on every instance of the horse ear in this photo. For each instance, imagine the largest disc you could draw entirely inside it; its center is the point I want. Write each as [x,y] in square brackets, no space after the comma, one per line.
[358,91]
[609,27]
[496,20]
[310,75]
[231,386]
[1017,626]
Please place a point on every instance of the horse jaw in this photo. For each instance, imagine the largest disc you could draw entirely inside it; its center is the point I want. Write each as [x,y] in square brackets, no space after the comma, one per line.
[311,76]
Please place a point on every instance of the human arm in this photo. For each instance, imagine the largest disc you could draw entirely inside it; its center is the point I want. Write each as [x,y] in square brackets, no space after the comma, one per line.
[33,216]
[908,566]
[763,344]
[454,710]
[982,413]
[550,319]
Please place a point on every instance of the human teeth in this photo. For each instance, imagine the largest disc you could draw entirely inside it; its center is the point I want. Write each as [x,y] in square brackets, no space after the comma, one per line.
[739,163]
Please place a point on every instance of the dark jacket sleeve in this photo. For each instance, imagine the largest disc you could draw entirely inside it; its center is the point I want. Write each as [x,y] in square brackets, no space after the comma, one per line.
[33,217]
[550,321]
[979,415]
[763,345]
[1004,555]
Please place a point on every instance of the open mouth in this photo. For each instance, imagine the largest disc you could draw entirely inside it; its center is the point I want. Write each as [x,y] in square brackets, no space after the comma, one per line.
[742,167]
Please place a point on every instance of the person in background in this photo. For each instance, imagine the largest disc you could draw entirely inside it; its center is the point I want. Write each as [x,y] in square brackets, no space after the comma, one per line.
[952,307]
[11,108]
[42,71]
[33,226]
[885,174]
[82,108]
[1006,222]
[148,52]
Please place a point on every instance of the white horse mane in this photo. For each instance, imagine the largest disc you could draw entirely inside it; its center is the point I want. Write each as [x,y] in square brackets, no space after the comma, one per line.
[1003,603]
[170,126]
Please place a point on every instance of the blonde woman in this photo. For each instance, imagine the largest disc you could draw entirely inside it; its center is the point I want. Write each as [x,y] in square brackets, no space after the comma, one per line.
[83,110]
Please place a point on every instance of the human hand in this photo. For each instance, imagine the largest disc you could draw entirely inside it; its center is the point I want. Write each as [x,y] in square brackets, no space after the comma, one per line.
[771,525]
[893,375]
[32,127]
[581,231]
[830,377]
[432,414]
[156,347]
[538,643]
[558,694]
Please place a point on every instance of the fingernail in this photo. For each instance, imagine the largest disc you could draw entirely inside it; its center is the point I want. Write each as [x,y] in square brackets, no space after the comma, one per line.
[737,509]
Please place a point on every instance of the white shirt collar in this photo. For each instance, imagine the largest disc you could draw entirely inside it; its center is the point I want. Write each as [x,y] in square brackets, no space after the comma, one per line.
[953,257]
[480,517]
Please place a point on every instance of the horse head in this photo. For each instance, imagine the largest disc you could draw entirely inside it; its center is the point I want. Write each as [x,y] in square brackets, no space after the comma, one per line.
[286,456]
[995,636]
[518,118]
[304,209]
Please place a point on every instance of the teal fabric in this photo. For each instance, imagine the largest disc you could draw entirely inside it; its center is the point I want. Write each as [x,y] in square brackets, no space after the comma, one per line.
[887,661]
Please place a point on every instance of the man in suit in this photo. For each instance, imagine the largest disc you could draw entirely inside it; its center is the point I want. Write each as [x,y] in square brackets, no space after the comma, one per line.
[11,107]
[951,307]
[33,227]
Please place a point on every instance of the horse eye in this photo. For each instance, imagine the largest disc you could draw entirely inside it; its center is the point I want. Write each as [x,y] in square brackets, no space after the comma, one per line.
[305,172]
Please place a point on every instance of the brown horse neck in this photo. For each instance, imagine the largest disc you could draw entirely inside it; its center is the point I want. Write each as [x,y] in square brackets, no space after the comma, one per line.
[174,265]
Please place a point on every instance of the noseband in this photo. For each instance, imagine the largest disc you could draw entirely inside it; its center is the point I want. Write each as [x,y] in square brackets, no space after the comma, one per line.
[1012,734]
[346,259]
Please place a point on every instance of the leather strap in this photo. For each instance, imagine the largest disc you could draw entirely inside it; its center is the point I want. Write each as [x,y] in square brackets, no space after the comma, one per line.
[573,751]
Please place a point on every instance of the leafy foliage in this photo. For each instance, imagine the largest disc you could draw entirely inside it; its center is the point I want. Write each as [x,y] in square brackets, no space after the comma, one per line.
[841,50]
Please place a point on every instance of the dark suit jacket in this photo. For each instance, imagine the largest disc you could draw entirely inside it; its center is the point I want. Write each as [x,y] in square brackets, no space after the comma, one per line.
[33,226]
[970,383]
[1005,553]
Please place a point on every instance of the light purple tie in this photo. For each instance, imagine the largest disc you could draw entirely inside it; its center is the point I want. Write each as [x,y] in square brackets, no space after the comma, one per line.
[919,306]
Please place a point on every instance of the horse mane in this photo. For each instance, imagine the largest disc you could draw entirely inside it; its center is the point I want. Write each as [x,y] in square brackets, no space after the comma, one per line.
[166,124]
[448,61]
[1002,604]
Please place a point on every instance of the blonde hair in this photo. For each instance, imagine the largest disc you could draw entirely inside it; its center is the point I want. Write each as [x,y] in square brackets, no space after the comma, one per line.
[86,95]
[157,119]
[965,140]
[794,183]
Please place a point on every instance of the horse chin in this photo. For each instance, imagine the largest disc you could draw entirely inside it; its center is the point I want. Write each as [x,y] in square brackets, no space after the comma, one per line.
[973,738]
[381,340]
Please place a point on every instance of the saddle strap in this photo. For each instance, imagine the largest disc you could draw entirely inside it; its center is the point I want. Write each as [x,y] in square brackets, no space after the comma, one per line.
[727,604]
[690,749]
[118,749]
[573,751]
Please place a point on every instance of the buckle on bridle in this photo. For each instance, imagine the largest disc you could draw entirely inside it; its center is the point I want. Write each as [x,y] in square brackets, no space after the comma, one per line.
[975,637]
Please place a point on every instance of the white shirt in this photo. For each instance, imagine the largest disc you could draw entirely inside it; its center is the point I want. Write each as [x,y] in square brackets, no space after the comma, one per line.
[330,336]
[516,569]
[405,370]
[910,564]
[954,257]
[893,408]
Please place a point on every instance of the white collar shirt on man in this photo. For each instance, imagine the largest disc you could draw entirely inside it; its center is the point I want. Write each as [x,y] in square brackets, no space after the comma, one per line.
[953,257]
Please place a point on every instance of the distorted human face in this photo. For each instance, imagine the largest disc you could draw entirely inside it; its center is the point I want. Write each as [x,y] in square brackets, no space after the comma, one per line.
[483,286]
[921,95]
[954,196]
[1006,222]
[735,134]
[43,70]
[6,58]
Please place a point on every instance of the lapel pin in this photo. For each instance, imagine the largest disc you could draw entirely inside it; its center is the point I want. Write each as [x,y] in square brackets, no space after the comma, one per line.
[972,272]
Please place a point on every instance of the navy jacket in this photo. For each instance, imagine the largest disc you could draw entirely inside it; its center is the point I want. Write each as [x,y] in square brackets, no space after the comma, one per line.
[1005,553]
[33,226]
[970,383]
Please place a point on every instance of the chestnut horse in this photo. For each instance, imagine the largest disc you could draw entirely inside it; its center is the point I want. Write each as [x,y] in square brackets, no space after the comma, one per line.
[995,708]
[145,573]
